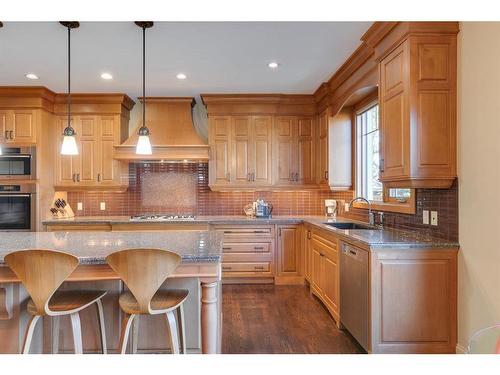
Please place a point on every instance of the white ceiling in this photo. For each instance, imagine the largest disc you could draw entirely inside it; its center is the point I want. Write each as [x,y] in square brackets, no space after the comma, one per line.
[217,57]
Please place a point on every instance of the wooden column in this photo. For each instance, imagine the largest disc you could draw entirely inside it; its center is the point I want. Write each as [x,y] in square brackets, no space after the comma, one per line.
[209,318]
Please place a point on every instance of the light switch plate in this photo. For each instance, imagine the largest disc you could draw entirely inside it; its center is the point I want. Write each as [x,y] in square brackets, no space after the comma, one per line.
[79,206]
[346,207]
[103,206]
[425,217]
[434,218]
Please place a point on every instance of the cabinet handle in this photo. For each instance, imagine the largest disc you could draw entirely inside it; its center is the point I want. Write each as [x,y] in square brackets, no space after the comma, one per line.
[74,177]
[258,268]
[297,176]
[6,134]
[98,177]
[326,175]
[11,134]
[253,176]
[321,254]
[259,231]
[226,248]
[309,234]
[381,165]
[248,176]
[279,232]
[228,231]
[78,177]
[226,268]
[258,247]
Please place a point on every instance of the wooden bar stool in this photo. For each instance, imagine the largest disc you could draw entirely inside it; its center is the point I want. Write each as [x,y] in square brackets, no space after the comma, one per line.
[143,271]
[42,272]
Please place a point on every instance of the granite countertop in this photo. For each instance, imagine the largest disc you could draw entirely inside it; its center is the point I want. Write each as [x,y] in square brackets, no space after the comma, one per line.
[377,238]
[93,247]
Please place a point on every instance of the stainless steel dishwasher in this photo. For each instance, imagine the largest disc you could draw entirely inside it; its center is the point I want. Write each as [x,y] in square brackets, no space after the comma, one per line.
[354,292]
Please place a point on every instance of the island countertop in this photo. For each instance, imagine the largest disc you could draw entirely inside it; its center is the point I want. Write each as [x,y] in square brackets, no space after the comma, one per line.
[93,247]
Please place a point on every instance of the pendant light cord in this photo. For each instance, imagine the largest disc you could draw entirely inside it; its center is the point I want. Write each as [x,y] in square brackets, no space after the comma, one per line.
[69,77]
[144,77]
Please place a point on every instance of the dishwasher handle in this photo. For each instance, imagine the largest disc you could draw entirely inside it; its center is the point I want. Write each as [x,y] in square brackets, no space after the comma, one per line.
[352,252]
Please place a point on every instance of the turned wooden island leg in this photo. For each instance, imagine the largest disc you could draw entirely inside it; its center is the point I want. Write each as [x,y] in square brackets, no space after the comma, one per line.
[209,317]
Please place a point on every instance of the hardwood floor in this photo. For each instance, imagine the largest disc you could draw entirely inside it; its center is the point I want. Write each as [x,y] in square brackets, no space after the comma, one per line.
[270,319]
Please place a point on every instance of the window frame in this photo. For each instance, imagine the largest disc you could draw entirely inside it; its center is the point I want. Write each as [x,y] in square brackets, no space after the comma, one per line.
[389,204]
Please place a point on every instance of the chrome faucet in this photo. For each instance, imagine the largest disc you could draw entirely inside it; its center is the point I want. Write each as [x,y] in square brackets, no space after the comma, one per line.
[371,216]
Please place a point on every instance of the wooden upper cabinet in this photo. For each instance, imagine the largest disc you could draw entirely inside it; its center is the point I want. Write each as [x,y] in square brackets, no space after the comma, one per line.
[417,96]
[241,150]
[94,166]
[323,148]
[261,151]
[18,126]
[305,152]
[220,145]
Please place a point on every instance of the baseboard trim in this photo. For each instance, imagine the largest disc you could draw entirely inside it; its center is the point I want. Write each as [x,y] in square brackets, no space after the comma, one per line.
[460,349]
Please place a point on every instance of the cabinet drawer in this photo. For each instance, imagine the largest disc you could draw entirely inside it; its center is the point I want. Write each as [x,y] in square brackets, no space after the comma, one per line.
[244,247]
[324,249]
[247,233]
[246,267]
[246,257]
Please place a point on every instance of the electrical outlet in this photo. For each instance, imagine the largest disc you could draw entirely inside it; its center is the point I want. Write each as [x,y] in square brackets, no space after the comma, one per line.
[79,206]
[425,217]
[434,218]
[346,207]
[103,206]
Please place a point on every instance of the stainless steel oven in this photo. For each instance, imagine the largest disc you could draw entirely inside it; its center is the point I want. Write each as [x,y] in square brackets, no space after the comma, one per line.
[17,163]
[17,207]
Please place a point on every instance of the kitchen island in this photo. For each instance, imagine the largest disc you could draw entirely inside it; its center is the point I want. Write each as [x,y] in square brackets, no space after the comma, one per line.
[199,272]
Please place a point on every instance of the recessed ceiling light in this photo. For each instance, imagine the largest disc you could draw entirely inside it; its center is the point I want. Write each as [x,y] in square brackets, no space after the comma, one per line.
[181,76]
[106,76]
[273,65]
[31,76]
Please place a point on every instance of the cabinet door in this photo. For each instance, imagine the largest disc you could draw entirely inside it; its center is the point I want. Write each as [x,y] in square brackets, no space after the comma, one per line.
[285,146]
[107,168]
[289,250]
[66,165]
[316,262]
[394,114]
[305,157]
[241,145]
[87,139]
[22,127]
[3,126]
[323,148]
[329,272]
[220,133]
[261,150]
[307,254]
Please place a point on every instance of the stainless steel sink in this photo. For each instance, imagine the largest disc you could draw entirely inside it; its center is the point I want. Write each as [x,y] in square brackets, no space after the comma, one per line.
[350,226]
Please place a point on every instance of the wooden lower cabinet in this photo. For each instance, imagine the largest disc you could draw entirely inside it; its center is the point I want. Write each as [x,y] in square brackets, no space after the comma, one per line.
[247,253]
[325,272]
[289,255]
[307,251]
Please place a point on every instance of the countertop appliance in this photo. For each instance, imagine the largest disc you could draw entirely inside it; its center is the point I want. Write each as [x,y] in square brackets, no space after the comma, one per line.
[17,163]
[354,292]
[262,209]
[17,207]
[331,208]
[161,217]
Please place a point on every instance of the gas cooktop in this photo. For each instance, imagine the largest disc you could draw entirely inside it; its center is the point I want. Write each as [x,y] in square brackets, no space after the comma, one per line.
[162,217]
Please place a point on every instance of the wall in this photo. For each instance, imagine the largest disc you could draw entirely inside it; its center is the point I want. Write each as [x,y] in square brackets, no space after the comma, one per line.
[479,177]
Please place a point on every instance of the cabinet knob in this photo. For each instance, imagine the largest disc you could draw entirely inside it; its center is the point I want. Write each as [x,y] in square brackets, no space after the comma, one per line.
[381,166]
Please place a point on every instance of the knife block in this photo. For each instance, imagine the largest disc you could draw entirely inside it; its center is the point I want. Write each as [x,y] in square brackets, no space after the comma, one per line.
[62,212]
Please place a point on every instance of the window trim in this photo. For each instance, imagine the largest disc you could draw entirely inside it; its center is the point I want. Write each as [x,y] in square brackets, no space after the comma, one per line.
[389,204]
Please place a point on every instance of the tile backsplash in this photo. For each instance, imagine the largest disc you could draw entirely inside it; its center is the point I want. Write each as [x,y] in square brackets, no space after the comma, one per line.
[182,188]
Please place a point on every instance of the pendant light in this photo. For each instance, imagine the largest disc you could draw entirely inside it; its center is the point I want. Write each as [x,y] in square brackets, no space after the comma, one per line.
[143,144]
[69,146]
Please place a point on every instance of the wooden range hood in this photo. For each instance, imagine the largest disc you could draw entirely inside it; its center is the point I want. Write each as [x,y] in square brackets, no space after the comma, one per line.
[172,134]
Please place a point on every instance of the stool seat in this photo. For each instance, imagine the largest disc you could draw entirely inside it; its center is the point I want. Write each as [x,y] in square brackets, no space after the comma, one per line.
[162,302]
[68,302]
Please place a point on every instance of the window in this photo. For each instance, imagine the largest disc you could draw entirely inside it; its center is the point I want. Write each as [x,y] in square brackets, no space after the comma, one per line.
[366,119]
[368,184]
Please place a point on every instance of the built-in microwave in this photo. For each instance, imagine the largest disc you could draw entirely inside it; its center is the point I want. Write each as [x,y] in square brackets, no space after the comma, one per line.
[17,163]
[17,207]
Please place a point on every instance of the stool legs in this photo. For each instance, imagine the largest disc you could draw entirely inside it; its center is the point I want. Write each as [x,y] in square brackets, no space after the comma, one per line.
[182,330]
[29,334]
[102,328]
[128,319]
[76,327]
[174,335]
[55,334]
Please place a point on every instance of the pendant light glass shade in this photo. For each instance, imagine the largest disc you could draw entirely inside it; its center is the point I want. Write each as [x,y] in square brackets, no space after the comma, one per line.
[143,146]
[69,146]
